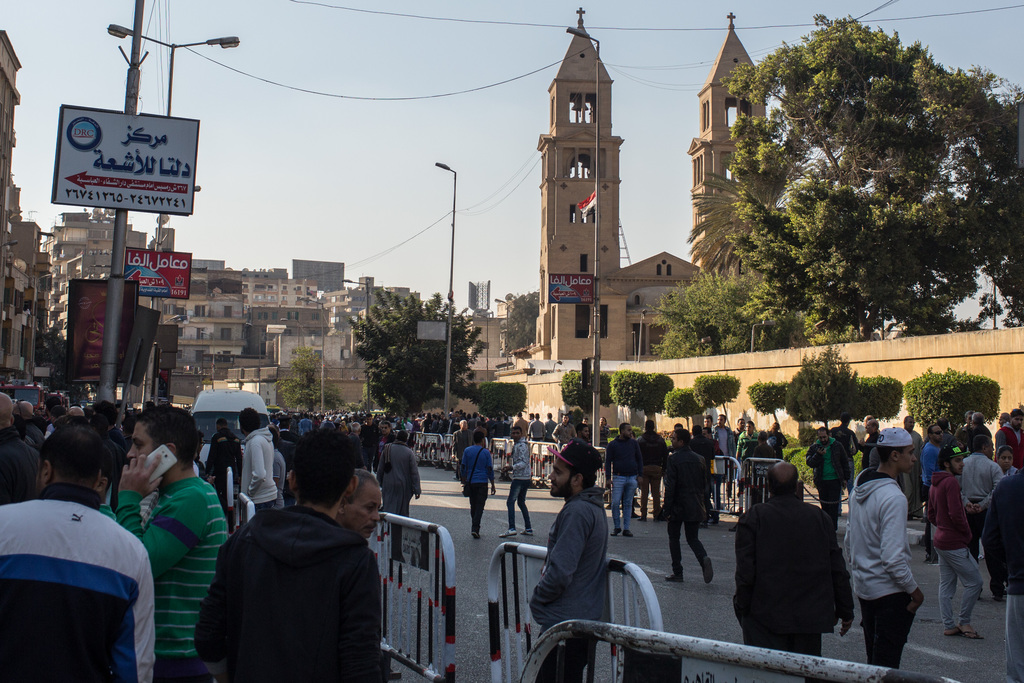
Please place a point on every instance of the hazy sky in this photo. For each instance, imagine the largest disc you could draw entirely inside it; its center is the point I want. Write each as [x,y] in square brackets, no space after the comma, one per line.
[289,174]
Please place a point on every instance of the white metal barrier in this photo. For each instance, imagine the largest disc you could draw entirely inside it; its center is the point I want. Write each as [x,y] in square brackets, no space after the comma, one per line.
[416,561]
[629,599]
[652,655]
[429,449]
[230,494]
[730,498]
[246,509]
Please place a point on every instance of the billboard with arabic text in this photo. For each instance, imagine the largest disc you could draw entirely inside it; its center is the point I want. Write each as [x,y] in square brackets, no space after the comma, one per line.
[572,288]
[110,160]
[165,274]
[87,312]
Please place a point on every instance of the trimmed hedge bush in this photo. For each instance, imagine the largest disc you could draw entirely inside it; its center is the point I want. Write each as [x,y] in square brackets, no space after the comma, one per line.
[715,390]
[878,396]
[950,394]
[682,403]
[822,389]
[768,397]
[502,398]
[641,390]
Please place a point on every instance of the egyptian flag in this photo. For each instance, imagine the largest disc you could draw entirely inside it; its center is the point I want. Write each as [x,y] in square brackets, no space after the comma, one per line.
[589,203]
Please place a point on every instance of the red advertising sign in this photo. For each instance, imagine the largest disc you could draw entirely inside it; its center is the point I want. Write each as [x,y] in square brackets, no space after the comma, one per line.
[573,288]
[166,274]
[87,311]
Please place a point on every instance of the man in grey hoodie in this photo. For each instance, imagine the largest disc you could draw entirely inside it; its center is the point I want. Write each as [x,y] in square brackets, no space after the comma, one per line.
[879,553]
[576,565]
[257,461]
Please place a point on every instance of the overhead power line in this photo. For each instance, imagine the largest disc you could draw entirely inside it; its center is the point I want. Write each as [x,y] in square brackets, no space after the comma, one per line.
[320,93]
[527,24]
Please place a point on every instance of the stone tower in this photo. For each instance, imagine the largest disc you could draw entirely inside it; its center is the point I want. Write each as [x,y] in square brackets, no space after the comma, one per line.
[567,242]
[718,110]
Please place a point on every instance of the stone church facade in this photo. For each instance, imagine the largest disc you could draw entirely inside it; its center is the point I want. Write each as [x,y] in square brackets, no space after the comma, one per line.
[627,294]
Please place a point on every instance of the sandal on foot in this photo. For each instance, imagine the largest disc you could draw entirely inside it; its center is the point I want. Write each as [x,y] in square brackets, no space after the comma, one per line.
[972,634]
[953,632]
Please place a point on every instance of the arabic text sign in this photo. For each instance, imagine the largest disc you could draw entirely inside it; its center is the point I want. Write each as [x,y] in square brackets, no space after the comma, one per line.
[573,288]
[110,160]
[159,273]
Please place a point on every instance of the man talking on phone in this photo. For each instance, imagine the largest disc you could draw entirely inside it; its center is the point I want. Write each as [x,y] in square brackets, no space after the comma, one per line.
[181,536]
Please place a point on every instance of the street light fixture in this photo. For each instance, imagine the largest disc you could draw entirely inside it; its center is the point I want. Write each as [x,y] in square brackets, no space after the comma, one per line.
[596,376]
[763,323]
[451,294]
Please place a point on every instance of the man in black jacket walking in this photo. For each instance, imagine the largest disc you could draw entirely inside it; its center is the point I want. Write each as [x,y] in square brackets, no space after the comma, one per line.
[791,579]
[297,597]
[225,453]
[686,481]
[18,464]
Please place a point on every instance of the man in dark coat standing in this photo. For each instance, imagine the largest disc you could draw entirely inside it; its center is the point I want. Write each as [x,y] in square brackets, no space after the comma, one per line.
[686,480]
[18,464]
[791,578]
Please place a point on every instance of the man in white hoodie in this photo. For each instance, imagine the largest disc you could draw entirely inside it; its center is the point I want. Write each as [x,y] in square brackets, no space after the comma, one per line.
[879,552]
[257,461]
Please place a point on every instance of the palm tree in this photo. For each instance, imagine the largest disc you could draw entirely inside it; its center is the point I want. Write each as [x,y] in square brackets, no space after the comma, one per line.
[718,225]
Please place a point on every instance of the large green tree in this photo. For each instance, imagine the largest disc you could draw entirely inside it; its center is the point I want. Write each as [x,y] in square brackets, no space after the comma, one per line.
[301,388]
[714,315]
[405,372]
[521,324]
[885,153]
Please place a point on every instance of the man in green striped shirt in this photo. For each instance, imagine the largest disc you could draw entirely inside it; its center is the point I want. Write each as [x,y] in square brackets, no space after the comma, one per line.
[182,537]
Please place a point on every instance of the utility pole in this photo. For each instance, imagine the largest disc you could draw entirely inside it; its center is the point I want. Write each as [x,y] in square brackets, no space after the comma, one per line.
[115,283]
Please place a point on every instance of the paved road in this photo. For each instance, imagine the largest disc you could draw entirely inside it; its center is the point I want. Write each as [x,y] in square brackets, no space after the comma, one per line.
[691,608]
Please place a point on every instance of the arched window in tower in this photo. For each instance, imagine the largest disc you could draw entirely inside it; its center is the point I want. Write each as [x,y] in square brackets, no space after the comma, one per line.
[636,300]
[705,114]
[579,165]
[658,270]
[668,269]
[581,107]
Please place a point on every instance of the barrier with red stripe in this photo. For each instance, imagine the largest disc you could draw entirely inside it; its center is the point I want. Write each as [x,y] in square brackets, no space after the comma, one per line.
[629,600]
[416,561]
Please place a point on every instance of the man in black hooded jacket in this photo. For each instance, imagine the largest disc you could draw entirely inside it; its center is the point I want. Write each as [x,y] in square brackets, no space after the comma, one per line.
[295,596]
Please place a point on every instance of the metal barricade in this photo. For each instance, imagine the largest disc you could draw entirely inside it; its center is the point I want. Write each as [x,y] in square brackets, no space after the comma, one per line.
[246,509]
[652,655]
[729,494]
[230,493]
[448,451]
[541,461]
[416,561]
[430,450]
[754,481]
[629,599]
[501,454]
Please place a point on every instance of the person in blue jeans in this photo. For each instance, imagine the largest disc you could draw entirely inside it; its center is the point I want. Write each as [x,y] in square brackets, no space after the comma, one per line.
[521,475]
[623,464]
[477,471]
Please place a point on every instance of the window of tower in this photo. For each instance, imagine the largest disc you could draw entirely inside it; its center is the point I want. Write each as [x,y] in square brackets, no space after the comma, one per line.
[579,165]
[705,114]
[572,213]
[658,270]
[581,107]
[582,321]
[583,263]
[730,110]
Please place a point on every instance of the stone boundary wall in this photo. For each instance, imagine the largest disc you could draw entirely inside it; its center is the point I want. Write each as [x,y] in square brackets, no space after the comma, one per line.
[998,354]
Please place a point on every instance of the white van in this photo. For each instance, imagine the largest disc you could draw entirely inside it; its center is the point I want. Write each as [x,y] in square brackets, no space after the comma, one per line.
[213,404]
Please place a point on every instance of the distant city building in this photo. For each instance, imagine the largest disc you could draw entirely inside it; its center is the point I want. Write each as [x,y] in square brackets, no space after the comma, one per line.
[208,264]
[273,287]
[9,99]
[26,274]
[329,275]
[210,322]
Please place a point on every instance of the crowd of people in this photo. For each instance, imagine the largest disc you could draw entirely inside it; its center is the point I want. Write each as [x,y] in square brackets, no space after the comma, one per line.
[132,568]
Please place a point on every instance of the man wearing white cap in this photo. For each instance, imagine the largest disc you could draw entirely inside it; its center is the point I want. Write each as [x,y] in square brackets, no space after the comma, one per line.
[879,552]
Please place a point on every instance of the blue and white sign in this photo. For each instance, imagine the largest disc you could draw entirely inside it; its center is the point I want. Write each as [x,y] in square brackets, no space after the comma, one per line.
[111,160]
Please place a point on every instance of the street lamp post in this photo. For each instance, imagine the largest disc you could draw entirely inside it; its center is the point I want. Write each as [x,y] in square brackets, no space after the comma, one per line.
[596,376]
[122,32]
[451,295]
[763,323]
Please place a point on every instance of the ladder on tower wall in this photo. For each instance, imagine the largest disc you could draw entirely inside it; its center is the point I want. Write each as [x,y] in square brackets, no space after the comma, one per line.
[623,249]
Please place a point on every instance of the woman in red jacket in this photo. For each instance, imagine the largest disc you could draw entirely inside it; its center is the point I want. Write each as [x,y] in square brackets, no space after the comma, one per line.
[952,535]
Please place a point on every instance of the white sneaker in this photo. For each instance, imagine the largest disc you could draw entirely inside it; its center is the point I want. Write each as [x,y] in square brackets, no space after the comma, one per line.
[528,532]
[507,534]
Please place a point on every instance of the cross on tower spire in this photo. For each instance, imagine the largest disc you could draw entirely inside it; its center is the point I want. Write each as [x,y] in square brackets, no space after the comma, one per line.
[580,12]
[730,16]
